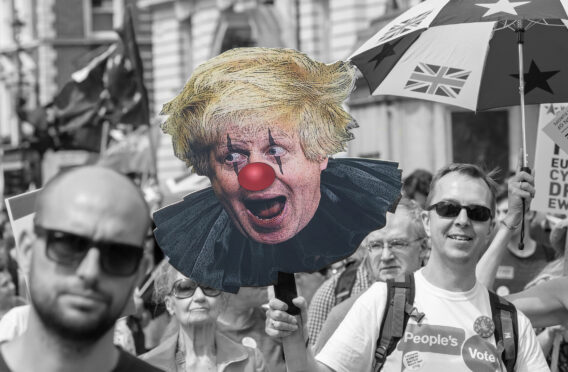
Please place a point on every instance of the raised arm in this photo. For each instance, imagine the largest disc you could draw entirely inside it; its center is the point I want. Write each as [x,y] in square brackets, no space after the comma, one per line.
[520,186]
[281,324]
[545,304]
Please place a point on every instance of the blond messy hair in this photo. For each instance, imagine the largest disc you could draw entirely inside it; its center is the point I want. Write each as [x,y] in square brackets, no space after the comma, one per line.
[260,87]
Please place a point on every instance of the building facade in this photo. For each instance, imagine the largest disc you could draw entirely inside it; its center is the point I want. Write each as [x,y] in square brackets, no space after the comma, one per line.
[417,134]
[42,42]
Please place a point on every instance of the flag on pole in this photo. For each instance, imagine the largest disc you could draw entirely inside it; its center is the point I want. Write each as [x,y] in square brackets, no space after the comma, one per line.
[125,78]
[110,88]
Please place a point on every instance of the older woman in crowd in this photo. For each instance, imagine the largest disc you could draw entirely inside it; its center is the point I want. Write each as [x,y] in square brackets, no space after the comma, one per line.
[197,345]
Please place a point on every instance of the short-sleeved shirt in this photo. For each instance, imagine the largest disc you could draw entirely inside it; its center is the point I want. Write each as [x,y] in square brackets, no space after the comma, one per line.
[14,322]
[324,300]
[513,273]
[253,334]
[444,340]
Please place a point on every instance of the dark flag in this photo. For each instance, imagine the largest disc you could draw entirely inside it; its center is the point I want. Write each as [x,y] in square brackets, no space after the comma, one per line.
[125,78]
[79,107]
[109,88]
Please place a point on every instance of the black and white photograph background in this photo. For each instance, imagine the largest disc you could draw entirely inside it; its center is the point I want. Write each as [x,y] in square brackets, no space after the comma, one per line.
[268,185]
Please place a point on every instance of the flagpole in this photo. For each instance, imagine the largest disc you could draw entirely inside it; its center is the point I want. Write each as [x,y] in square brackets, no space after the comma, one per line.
[153,149]
[520,32]
[104,137]
[525,167]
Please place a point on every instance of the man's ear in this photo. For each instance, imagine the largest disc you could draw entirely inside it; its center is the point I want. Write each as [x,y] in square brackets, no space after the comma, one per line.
[424,253]
[323,163]
[491,227]
[169,305]
[425,215]
[24,249]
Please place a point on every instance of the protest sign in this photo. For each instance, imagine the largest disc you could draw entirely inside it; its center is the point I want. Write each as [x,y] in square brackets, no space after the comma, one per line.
[551,161]
[21,213]
[557,129]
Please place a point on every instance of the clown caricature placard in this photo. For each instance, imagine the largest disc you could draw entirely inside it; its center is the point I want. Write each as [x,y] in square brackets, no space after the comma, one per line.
[263,125]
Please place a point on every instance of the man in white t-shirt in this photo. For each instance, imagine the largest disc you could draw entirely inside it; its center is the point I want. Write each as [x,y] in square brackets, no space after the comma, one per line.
[459,220]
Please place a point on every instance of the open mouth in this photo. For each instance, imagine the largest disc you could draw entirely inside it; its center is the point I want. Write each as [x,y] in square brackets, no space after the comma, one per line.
[266,209]
[461,238]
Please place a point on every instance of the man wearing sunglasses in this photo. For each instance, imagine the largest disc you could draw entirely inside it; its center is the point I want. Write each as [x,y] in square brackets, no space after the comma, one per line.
[456,331]
[85,258]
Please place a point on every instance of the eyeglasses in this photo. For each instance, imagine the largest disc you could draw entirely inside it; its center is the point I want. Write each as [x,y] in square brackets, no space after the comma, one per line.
[184,288]
[395,244]
[449,209]
[68,249]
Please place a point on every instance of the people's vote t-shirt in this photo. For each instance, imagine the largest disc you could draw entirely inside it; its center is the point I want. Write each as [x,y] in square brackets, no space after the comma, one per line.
[445,339]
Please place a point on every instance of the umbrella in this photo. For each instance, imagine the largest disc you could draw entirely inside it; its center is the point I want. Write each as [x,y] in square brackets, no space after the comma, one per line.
[472,54]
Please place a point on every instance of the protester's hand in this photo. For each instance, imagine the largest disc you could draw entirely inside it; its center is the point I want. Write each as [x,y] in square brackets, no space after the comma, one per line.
[281,324]
[138,302]
[521,186]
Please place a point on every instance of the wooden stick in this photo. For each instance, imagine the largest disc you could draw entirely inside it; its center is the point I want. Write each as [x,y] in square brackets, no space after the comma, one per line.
[294,345]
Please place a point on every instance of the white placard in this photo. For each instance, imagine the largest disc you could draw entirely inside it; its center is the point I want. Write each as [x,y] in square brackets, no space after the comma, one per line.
[551,162]
[557,129]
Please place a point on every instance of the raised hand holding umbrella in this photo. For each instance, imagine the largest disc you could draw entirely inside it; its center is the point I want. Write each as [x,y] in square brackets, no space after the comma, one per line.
[472,54]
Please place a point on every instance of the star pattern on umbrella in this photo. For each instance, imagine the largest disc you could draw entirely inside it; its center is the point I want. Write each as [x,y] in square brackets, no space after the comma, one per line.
[502,6]
[386,50]
[536,78]
[551,110]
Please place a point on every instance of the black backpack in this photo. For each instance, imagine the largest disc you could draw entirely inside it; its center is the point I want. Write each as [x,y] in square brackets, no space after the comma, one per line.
[346,281]
[400,301]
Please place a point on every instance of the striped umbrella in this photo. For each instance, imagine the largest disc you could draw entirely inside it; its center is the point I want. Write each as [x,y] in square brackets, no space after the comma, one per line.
[476,54]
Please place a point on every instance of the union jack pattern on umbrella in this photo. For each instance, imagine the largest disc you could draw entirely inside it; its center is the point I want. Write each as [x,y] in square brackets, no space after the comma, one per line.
[404,26]
[465,53]
[439,80]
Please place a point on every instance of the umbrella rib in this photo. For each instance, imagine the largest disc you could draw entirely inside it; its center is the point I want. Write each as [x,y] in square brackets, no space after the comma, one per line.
[512,24]
[485,63]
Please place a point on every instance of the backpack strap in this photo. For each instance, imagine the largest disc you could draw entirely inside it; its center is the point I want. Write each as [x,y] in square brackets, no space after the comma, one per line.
[400,298]
[506,329]
[346,281]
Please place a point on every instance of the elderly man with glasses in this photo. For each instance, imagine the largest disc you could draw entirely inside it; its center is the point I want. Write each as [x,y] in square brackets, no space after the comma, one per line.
[401,246]
[455,331]
[85,259]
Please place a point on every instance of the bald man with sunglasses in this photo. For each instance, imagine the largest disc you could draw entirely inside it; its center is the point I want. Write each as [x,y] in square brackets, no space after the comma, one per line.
[456,331]
[85,258]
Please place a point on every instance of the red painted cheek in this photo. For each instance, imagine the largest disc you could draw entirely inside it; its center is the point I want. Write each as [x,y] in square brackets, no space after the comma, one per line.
[256,176]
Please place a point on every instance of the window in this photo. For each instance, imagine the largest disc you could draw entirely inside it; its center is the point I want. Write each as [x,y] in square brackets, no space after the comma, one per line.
[99,18]
[102,15]
[482,138]
[239,32]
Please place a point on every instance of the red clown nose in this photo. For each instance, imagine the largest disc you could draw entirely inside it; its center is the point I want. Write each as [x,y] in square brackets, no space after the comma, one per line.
[256,176]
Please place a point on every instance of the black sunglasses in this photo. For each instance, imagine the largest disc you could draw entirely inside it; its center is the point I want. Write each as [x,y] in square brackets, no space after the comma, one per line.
[452,209]
[68,249]
[184,288]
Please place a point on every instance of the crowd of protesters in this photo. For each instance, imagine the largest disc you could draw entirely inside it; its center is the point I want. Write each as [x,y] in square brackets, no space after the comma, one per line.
[178,325]
[92,292]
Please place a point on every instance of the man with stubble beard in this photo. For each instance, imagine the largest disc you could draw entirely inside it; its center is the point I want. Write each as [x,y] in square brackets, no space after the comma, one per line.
[85,257]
